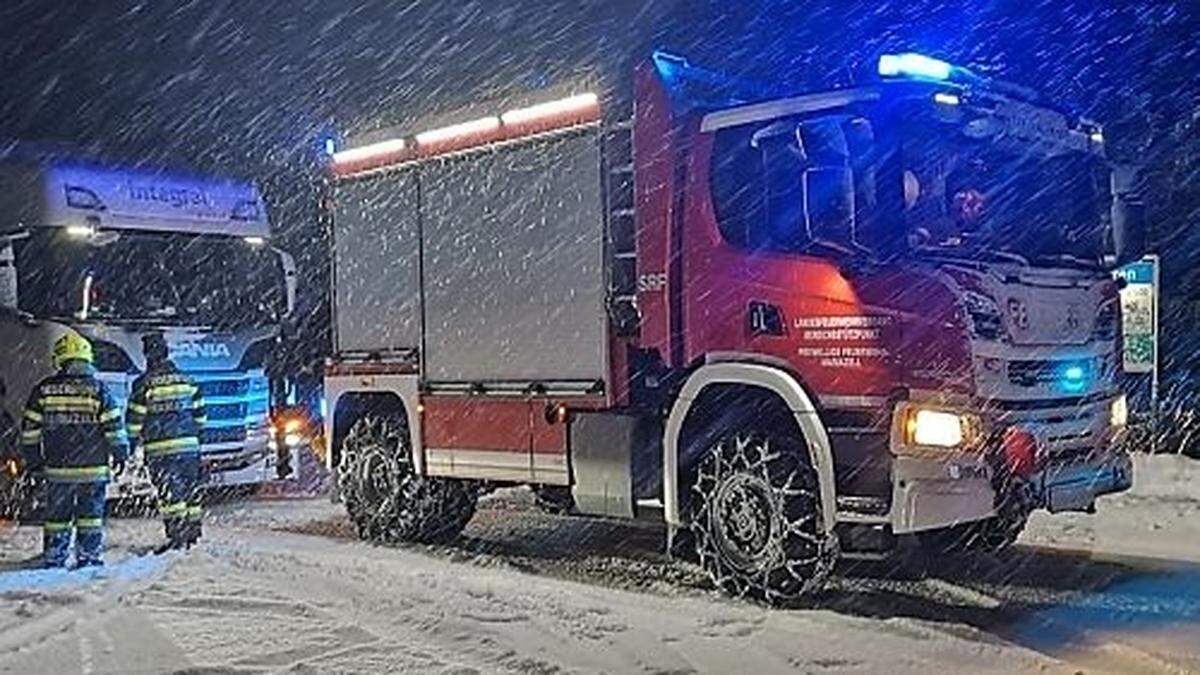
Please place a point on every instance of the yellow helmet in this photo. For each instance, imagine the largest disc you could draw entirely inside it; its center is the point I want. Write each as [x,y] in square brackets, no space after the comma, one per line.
[70,347]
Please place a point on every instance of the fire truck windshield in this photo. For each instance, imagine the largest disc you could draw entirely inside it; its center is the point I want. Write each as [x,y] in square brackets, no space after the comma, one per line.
[170,279]
[963,184]
[969,192]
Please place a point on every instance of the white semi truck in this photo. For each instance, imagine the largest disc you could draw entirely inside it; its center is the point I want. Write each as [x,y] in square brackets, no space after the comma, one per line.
[116,253]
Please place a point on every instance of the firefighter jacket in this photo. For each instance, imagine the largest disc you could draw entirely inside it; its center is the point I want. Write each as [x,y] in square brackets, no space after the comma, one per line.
[166,412]
[72,426]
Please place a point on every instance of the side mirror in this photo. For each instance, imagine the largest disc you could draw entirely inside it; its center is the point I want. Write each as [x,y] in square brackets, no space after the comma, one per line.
[1128,215]
[288,264]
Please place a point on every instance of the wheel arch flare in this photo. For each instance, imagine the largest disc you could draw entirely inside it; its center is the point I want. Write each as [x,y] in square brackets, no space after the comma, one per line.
[754,376]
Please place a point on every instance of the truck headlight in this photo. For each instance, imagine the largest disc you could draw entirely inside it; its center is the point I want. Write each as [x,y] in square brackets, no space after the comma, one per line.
[1119,412]
[941,428]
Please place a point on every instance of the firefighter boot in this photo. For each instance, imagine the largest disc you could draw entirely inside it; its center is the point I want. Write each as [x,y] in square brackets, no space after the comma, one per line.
[191,525]
[56,543]
[172,527]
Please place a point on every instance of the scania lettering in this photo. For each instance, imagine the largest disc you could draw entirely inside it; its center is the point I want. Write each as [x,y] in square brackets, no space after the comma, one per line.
[794,328]
[116,253]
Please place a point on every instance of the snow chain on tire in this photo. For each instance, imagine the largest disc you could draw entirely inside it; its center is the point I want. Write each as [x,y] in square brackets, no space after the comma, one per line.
[756,518]
[387,501]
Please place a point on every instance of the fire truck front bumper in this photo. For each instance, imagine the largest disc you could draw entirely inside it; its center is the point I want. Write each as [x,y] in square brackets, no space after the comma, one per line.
[1075,455]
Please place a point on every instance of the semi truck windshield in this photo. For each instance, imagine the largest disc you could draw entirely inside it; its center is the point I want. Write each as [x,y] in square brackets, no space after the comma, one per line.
[171,279]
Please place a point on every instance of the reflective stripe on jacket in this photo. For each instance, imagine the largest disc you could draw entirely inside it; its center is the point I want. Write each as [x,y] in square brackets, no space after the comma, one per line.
[166,412]
[72,425]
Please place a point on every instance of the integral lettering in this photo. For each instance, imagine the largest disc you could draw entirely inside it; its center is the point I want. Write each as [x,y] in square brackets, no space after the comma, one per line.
[177,197]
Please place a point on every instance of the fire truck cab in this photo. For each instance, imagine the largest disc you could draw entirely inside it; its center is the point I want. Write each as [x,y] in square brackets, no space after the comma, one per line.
[793,328]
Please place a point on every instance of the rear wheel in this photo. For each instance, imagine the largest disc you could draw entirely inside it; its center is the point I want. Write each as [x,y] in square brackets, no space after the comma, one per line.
[756,518]
[385,499]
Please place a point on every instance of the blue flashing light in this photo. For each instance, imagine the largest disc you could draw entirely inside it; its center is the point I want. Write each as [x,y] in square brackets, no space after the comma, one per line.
[323,408]
[914,65]
[330,146]
[944,98]
[1074,378]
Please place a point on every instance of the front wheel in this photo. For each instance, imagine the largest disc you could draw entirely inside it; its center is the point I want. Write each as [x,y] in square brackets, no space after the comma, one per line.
[756,518]
[385,499]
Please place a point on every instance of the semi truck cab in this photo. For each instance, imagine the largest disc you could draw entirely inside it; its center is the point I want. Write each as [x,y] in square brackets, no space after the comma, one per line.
[115,253]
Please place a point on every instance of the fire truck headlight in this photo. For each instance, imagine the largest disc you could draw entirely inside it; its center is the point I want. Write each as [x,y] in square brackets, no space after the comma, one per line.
[941,428]
[1119,412]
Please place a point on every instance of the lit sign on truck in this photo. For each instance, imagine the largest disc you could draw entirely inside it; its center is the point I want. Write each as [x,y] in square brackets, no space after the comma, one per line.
[135,199]
[177,197]
[200,350]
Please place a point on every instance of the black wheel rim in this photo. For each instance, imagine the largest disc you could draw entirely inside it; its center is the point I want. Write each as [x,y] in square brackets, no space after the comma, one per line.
[743,513]
[377,469]
[378,478]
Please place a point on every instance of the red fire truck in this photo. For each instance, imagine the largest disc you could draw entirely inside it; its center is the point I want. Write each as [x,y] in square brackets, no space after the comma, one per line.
[793,328]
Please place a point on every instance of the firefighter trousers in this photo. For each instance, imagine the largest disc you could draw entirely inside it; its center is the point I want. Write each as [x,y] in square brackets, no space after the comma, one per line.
[177,480]
[74,509]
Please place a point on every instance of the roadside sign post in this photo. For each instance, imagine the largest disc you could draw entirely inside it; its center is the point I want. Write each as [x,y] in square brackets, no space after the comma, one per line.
[1139,321]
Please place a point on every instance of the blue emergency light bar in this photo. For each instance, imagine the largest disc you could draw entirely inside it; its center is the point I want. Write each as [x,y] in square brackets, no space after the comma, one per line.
[914,65]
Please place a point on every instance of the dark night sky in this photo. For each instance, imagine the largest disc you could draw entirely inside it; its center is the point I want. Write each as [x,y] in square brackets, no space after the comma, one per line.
[236,84]
[248,87]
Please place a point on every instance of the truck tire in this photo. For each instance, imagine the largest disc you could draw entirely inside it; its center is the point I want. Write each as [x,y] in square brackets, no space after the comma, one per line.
[756,517]
[385,499]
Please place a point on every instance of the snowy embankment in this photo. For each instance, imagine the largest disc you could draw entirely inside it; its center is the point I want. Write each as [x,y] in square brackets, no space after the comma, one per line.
[1158,518]
[525,592]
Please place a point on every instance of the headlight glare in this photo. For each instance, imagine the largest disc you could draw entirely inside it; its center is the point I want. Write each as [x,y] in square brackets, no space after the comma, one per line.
[1119,412]
[936,428]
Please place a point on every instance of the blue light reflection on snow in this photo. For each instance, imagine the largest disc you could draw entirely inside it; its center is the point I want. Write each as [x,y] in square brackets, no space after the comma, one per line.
[128,569]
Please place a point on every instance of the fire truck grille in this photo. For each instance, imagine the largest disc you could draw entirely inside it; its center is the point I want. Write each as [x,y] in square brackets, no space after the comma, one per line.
[1032,373]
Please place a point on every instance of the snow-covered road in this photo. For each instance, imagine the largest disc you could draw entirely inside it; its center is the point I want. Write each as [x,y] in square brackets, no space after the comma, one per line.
[282,586]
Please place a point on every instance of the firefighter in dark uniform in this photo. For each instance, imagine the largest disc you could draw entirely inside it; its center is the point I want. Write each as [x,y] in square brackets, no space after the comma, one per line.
[166,415]
[71,430]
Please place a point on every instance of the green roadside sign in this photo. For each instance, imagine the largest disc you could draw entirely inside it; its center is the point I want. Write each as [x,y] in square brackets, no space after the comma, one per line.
[1139,315]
